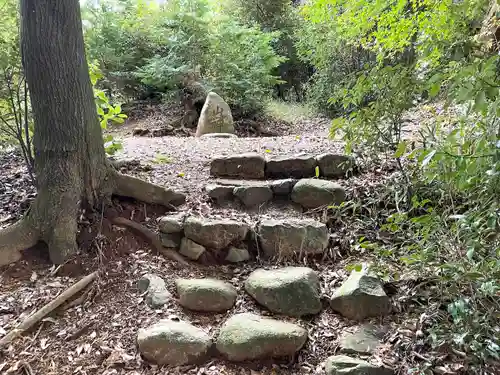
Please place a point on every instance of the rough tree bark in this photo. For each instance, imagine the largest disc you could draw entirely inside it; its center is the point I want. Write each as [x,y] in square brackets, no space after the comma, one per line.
[70,163]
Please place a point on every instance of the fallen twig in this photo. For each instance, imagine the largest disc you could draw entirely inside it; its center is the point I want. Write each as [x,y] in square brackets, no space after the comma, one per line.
[34,318]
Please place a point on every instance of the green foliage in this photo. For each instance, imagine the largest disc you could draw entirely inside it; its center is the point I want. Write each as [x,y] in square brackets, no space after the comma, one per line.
[106,111]
[146,46]
[445,225]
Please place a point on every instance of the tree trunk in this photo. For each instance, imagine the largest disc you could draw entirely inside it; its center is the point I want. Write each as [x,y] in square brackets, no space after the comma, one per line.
[70,162]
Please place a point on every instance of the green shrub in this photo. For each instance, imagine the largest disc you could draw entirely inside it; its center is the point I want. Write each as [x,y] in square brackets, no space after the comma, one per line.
[446,222]
[155,46]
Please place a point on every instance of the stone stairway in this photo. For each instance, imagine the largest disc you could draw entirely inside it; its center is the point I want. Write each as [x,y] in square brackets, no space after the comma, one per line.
[288,293]
[254,181]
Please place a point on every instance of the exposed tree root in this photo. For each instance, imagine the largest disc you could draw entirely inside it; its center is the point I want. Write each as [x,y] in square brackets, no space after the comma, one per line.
[20,236]
[131,187]
[57,220]
[152,238]
[47,309]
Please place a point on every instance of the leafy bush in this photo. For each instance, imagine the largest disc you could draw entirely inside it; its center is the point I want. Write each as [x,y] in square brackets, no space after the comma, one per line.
[156,46]
[446,221]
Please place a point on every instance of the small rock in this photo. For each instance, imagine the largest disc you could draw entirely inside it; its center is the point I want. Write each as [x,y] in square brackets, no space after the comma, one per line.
[285,238]
[237,255]
[215,234]
[313,193]
[248,336]
[171,240]
[171,223]
[206,294]
[364,340]
[344,365]
[156,291]
[253,196]
[249,165]
[191,249]
[333,165]
[295,166]
[361,296]
[292,291]
[215,116]
[283,187]
[220,194]
[175,343]
[219,135]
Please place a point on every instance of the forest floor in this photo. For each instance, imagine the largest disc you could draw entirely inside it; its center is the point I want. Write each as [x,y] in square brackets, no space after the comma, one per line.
[97,333]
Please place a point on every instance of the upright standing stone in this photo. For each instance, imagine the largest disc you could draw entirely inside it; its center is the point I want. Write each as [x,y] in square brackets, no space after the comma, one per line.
[215,116]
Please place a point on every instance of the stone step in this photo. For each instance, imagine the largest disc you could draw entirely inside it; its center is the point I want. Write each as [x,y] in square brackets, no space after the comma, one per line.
[309,193]
[256,166]
[237,241]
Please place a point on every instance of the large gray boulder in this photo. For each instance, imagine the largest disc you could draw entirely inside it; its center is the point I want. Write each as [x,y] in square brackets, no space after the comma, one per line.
[293,291]
[253,196]
[361,296]
[313,193]
[249,165]
[344,365]
[156,291]
[205,294]
[285,238]
[291,166]
[215,116]
[215,234]
[173,343]
[334,165]
[245,337]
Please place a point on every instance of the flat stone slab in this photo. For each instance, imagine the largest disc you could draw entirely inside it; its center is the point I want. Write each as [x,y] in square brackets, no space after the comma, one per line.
[210,295]
[173,343]
[249,165]
[361,296]
[286,238]
[314,193]
[213,233]
[293,291]
[245,337]
[344,365]
[291,166]
[362,340]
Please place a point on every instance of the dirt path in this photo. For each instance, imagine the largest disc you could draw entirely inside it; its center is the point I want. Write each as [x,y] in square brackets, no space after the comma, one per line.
[98,335]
